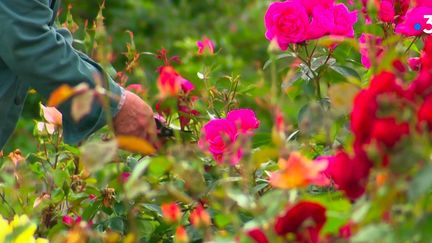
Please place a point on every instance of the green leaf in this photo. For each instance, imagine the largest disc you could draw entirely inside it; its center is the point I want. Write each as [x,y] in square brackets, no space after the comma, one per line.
[242,199]
[139,169]
[95,155]
[116,224]
[346,72]
[90,211]
[57,195]
[60,177]
[421,184]
[338,210]
[159,165]
[222,220]
[374,233]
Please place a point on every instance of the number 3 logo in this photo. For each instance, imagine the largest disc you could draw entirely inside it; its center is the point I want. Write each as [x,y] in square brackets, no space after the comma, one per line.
[429,22]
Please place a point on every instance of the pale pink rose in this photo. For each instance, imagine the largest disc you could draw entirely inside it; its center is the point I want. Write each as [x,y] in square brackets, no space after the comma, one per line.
[219,136]
[344,21]
[244,119]
[52,115]
[286,22]
[414,17]
[414,63]
[205,45]
[386,11]
[45,128]
[322,23]
[310,5]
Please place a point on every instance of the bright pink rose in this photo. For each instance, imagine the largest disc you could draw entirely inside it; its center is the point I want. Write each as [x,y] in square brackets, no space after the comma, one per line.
[310,5]
[344,21]
[386,11]
[424,3]
[186,85]
[68,220]
[286,22]
[219,138]
[414,22]
[322,23]
[244,119]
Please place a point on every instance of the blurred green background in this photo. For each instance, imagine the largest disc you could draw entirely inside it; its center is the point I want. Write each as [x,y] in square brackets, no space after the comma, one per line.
[236,27]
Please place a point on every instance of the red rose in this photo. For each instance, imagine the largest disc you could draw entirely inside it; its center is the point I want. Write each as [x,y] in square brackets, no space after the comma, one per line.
[257,235]
[386,131]
[424,114]
[305,220]
[349,174]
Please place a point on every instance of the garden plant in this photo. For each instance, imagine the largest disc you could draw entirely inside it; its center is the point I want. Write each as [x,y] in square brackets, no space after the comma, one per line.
[279,121]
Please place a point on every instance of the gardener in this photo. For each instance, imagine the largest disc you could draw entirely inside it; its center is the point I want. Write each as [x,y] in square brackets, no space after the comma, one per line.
[34,54]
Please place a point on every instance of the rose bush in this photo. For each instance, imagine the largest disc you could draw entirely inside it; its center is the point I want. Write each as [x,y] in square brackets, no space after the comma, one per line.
[318,131]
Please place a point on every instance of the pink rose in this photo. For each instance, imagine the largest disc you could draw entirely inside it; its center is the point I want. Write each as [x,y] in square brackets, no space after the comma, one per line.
[219,138]
[322,22]
[286,22]
[414,63]
[186,85]
[424,3]
[386,11]
[244,119]
[344,21]
[221,135]
[68,220]
[205,45]
[52,115]
[414,22]
[366,40]
[310,5]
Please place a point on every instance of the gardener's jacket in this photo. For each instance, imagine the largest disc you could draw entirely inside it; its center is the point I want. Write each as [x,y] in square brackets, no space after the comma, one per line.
[34,54]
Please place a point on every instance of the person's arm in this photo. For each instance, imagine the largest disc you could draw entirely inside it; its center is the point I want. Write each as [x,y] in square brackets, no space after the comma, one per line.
[38,54]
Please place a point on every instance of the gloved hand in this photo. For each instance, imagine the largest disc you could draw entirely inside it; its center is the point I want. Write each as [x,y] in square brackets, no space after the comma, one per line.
[135,118]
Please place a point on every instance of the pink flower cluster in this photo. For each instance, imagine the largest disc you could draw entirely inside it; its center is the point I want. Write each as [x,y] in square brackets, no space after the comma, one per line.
[296,21]
[220,135]
[413,22]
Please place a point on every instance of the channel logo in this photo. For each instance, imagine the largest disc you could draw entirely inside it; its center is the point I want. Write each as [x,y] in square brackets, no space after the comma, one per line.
[418,26]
